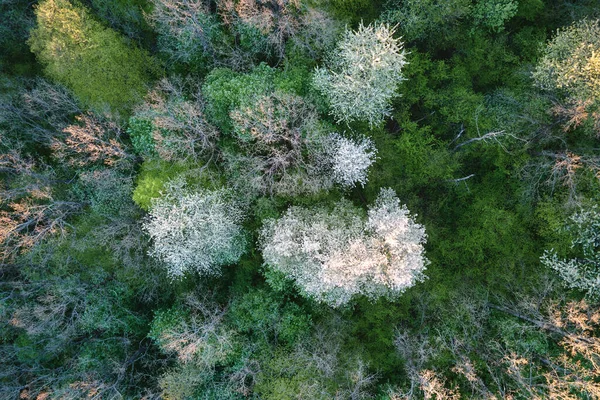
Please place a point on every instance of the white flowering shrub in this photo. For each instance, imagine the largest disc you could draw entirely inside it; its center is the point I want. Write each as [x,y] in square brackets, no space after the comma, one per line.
[195,231]
[580,273]
[362,74]
[333,255]
[350,159]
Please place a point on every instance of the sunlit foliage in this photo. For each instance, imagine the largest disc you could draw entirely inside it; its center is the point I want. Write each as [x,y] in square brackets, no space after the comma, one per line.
[101,68]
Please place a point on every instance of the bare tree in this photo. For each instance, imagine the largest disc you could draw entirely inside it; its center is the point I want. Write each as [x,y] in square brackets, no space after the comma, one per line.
[38,114]
[92,140]
[277,20]
[283,146]
[180,129]
[29,211]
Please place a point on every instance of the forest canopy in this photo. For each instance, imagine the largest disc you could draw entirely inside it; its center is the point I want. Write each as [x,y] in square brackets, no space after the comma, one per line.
[299,199]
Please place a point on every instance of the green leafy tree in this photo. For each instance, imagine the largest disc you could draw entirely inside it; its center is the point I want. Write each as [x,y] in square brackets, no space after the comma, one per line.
[95,62]
[427,19]
[492,14]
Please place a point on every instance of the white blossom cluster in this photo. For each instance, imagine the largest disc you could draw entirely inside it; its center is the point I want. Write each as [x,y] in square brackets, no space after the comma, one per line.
[363,74]
[195,231]
[350,159]
[580,273]
[335,255]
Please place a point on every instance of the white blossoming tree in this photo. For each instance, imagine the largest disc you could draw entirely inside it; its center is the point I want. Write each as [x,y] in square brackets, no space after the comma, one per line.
[580,273]
[195,231]
[334,255]
[362,74]
[350,159]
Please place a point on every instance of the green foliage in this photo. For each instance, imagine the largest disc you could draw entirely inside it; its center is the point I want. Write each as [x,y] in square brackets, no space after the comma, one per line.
[493,14]
[17,19]
[95,62]
[252,40]
[413,162]
[520,338]
[285,378]
[530,9]
[183,382]
[108,192]
[354,10]
[582,272]
[189,36]
[107,311]
[278,281]
[262,313]
[226,90]
[154,174]
[550,219]
[140,132]
[431,20]
[125,16]
[165,320]
[496,169]
[372,327]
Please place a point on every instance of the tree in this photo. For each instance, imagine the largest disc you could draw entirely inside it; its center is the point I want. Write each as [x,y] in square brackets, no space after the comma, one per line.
[17,20]
[316,36]
[286,149]
[93,61]
[335,255]
[198,231]
[320,366]
[173,125]
[363,74]
[196,335]
[571,372]
[92,140]
[37,112]
[571,61]
[262,26]
[427,19]
[580,273]
[350,159]
[125,16]
[188,33]
[570,67]
[282,142]
[493,14]
[29,208]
